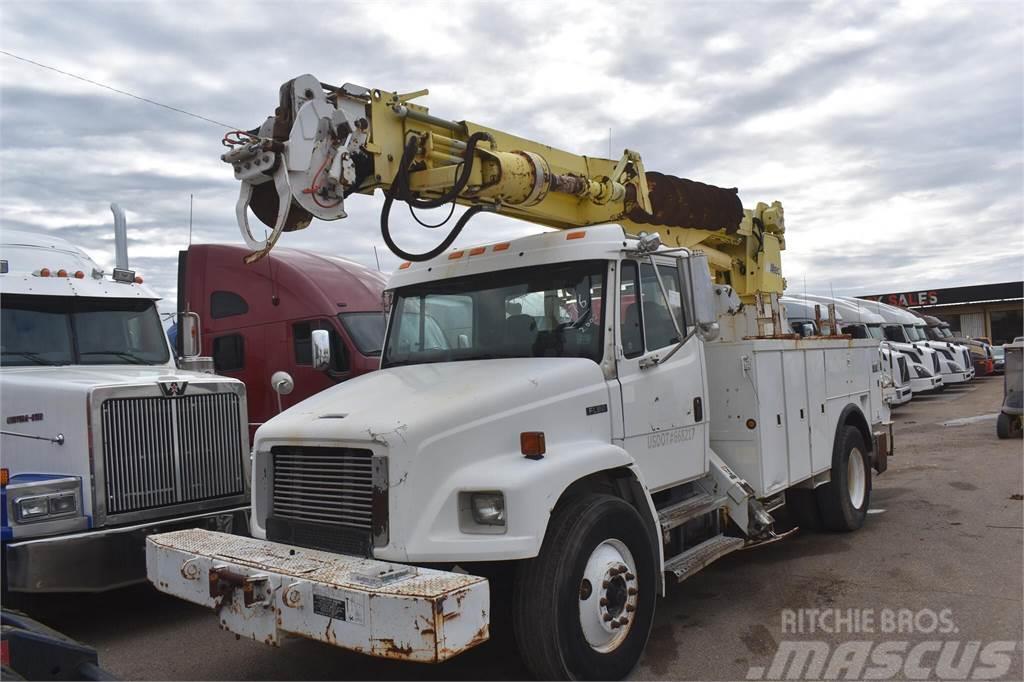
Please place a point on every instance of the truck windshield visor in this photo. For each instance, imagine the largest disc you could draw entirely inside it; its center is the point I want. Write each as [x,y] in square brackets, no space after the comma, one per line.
[541,311]
[63,330]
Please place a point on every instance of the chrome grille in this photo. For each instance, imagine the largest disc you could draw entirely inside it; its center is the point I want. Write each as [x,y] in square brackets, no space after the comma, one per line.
[331,486]
[164,451]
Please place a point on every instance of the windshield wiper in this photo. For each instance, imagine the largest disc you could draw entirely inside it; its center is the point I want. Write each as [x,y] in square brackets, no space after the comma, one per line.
[134,359]
[34,357]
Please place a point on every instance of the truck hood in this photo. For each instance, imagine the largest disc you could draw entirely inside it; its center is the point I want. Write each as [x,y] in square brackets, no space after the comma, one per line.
[70,377]
[410,404]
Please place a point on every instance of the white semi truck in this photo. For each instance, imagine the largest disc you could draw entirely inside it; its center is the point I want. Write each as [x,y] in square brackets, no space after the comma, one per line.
[104,439]
[903,326]
[614,409]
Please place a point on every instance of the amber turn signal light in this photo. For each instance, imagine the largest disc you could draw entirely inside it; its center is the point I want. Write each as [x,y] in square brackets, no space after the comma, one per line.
[531,443]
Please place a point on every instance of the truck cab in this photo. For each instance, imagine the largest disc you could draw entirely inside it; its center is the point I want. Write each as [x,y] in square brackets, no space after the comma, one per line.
[257,320]
[104,439]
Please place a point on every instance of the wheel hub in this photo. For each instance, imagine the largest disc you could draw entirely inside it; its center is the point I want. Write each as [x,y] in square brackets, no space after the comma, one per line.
[608,594]
[856,478]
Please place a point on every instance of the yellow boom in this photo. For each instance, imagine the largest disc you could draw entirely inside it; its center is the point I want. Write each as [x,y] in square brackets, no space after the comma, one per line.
[325,142]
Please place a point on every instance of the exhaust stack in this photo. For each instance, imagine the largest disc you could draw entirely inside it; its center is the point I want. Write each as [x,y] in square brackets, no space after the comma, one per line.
[120,238]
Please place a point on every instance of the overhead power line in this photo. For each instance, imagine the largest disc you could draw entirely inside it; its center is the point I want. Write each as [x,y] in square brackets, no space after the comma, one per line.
[118,91]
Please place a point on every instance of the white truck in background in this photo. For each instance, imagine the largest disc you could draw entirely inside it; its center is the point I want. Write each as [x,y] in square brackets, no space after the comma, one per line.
[104,439]
[903,326]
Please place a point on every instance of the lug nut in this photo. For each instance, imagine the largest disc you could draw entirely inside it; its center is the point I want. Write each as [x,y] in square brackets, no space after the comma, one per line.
[607,617]
[630,576]
[615,625]
[605,584]
[630,608]
[623,620]
[604,601]
[631,591]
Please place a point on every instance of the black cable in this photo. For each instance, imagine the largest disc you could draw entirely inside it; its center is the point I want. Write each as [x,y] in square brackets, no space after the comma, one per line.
[400,190]
[434,226]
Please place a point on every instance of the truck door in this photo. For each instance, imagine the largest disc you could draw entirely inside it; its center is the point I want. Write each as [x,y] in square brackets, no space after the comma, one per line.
[663,407]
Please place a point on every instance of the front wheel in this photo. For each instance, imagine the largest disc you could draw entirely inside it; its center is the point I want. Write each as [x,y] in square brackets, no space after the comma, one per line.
[844,500]
[583,608]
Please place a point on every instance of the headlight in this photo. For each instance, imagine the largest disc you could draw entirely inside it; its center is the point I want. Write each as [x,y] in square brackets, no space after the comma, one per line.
[886,380]
[32,507]
[44,500]
[488,508]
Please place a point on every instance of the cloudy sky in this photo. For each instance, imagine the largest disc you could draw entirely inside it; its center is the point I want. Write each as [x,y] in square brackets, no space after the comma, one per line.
[891,132]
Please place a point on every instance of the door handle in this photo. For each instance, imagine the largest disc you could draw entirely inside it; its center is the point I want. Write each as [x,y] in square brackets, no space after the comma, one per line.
[698,409]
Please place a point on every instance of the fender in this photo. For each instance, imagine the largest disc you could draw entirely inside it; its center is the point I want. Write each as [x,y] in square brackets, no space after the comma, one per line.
[531,489]
[852,416]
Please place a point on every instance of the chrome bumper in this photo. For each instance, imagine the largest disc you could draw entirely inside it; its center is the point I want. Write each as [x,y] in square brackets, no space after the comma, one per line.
[102,559]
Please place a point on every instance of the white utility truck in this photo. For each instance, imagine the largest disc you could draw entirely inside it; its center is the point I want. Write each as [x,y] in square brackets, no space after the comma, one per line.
[609,412]
[861,322]
[104,439]
[809,318]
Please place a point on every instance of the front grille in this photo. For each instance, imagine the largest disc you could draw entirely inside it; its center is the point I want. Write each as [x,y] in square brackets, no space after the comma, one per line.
[164,451]
[935,361]
[904,371]
[329,497]
[967,358]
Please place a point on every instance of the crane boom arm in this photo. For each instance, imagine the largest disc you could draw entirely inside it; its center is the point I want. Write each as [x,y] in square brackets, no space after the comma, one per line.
[324,143]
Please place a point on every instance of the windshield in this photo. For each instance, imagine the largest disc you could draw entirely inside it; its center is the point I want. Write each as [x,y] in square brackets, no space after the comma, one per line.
[945,332]
[64,330]
[912,332]
[876,331]
[894,332]
[542,311]
[366,330]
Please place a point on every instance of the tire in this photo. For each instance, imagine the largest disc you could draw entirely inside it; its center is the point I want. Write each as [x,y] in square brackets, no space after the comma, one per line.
[597,547]
[844,500]
[802,504]
[1003,426]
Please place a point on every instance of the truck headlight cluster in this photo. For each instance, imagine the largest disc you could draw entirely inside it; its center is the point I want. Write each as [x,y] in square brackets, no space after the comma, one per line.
[45,500]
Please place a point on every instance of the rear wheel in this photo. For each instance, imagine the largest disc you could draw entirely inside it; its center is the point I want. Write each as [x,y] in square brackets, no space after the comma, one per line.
[1003,425]
[844,500]
[583,608]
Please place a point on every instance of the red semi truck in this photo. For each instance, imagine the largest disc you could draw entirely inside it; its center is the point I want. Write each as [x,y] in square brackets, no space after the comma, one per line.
[258,319]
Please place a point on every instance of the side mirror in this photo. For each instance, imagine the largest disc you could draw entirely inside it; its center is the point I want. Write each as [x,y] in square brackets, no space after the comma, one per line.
[190,334]
[320,340]
[283,384]
[699,296]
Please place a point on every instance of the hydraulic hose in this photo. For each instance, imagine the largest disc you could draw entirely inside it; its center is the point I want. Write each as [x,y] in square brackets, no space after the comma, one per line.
[400,190]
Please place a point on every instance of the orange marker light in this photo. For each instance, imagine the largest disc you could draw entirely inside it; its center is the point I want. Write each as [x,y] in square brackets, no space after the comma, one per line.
[502,246]
[404,266]
[79,274]
[576,235]
[138,280]
[456,255]
[531,443]
[62,273]
[44,272]
[5,476]
[477,250]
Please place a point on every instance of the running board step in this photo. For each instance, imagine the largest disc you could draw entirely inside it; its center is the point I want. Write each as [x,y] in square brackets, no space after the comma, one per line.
[692,507]
[692,560]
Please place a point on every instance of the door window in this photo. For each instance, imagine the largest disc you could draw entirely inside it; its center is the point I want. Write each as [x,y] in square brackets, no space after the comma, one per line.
[229,353]
[657,316]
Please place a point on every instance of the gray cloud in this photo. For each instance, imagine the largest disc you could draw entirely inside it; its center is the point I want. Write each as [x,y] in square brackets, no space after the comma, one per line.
[892,135]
